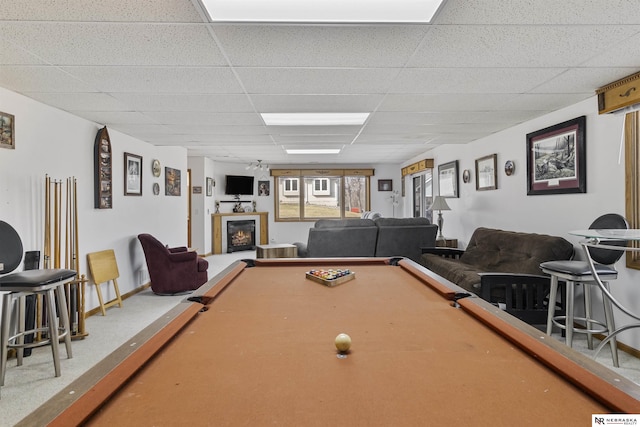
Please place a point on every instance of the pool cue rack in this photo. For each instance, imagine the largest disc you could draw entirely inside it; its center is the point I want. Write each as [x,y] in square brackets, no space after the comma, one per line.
[59,254]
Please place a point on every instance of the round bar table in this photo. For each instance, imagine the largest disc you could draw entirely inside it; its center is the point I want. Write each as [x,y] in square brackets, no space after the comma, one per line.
[602,239]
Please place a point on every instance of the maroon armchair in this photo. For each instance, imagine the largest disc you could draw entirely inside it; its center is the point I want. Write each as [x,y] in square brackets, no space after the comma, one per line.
[172,270]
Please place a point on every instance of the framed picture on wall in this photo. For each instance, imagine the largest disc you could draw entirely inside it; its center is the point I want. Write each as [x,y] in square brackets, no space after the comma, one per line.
[448,179]
[385,185]
[7,131]
[486,173]
[132,175]
[210,185]
[172,182]
[557,159]
[264,188]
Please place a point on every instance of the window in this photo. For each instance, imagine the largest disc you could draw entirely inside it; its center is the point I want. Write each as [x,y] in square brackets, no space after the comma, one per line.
[291,186]
[321,187]
[423,194]
[336,194]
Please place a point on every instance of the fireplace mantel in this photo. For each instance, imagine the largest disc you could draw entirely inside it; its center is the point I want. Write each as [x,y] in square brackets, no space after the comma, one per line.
[217,227]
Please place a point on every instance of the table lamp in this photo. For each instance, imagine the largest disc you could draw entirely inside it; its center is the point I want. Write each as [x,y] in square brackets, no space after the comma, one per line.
[440,204]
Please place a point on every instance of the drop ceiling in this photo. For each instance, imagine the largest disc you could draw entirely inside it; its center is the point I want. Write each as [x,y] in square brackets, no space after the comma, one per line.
[161,72]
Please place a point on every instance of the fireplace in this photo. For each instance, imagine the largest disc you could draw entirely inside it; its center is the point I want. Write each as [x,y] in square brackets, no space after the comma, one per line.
[241,235]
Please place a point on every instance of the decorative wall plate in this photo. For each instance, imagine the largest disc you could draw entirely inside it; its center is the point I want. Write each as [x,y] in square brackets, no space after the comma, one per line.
[466,175]
[509,167]
[155,168]
[156,188]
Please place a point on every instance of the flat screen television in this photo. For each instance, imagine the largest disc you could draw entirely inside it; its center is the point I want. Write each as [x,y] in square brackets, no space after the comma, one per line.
[238,185]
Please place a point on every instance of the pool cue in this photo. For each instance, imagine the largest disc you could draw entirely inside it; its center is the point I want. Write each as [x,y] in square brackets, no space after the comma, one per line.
[47,222]
[56,224]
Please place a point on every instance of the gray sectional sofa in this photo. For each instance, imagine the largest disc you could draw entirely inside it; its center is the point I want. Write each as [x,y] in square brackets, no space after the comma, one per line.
[381,237]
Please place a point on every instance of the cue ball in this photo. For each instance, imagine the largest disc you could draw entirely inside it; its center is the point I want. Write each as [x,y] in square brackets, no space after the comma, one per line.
[343,342]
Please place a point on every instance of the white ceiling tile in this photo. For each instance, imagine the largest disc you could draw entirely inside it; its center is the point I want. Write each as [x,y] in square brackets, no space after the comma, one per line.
[317,80]
[216,129]
[41,79]
[218,102]
[206,118]
[158,79]
[544,12]
[541,102]
[621,54]
[516,45]
[108,11]
[315,103]
[582,80]
[82,101]
[115,118]
[15,55]
[110,44]
[472,80]
[457,102]
[319,46]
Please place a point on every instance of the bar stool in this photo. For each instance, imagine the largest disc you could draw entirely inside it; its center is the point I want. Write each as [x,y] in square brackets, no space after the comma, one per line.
[49,283]
[576,273]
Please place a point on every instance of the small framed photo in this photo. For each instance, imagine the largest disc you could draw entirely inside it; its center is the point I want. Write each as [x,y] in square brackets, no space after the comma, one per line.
[557,159]
[486,173]
[210,185]
[132,175]
[172,182]
[385,185]
[7,131]
[448,179]
[264,188]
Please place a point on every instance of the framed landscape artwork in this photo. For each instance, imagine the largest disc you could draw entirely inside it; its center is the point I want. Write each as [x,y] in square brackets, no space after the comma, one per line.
[448,179]
[556,159]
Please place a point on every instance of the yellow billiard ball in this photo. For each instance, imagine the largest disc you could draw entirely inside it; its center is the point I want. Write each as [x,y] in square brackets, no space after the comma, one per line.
[343,343]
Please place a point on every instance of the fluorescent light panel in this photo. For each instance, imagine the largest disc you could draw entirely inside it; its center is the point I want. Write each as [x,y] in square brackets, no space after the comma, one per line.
[313,151]
[330,11]
[314,119]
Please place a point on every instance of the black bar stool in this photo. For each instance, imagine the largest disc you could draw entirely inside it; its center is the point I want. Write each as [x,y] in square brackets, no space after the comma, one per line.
[49,283]
[575,273]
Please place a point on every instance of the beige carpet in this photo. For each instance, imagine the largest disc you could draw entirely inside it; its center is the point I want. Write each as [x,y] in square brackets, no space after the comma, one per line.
[29,386]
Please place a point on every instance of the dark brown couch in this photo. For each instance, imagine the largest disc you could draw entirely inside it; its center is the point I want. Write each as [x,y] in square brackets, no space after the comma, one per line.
[502,267]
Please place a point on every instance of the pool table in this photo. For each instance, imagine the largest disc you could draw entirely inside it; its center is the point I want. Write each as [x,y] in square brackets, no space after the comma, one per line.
[255,346]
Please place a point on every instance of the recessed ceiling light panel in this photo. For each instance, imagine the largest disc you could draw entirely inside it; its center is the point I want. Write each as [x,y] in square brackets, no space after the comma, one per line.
[314,119]
[313,151]
[317,11]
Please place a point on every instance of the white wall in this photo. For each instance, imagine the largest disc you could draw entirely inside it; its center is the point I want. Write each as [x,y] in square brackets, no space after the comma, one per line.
[53,142]
[510,208]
